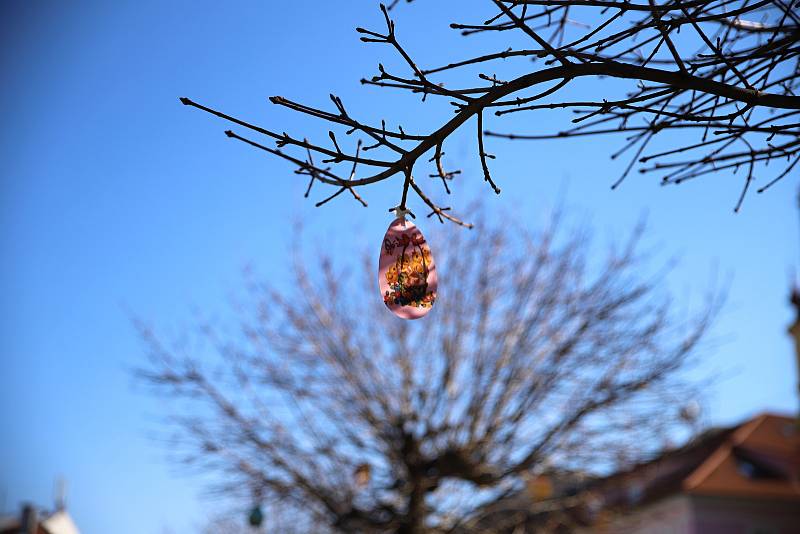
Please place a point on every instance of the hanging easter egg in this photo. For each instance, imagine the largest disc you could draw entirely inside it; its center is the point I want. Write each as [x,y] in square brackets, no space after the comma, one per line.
[406,272]
[256,516]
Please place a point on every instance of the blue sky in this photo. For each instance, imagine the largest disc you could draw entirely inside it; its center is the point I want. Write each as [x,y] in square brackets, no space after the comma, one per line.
[115,199]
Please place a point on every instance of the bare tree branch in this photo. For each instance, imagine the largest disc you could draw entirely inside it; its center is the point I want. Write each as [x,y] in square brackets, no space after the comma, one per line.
[736,63]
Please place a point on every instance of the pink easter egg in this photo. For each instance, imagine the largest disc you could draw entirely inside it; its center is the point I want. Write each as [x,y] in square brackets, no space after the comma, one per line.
[406,272]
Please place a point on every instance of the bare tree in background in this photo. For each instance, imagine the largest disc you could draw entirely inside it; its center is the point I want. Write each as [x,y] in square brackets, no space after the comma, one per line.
[542,356]
[721,75]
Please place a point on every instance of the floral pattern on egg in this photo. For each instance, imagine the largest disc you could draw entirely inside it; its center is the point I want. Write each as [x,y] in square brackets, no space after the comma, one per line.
[406,271]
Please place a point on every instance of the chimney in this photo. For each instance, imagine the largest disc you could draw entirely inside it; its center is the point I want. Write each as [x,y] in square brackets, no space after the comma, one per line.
[60,495]
[30,522]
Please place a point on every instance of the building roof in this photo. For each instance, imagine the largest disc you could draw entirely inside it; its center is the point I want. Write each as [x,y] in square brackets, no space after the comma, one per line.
[761,458]
[59,522]
[757,459]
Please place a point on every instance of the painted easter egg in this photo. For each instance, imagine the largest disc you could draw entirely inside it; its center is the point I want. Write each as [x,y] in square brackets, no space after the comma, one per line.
[406,272]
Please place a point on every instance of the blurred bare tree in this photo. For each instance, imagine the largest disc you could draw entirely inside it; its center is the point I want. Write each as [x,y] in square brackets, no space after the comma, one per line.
[542,356]
[720,75]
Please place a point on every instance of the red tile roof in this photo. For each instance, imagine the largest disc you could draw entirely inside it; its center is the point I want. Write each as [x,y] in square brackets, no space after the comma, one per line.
[760,458]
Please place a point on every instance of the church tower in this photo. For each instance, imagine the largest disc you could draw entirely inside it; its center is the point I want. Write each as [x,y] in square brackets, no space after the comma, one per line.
[794,329]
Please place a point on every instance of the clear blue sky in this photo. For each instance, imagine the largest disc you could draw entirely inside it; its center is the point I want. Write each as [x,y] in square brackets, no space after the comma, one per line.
[114,198]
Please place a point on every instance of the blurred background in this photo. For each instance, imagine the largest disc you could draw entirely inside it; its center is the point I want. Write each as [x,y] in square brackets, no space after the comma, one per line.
[118,202]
